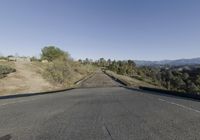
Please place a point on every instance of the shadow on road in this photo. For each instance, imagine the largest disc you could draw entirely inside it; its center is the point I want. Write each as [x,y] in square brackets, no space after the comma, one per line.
[6,137]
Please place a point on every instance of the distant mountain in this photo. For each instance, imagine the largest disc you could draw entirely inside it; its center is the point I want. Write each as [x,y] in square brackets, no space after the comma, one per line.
[178,62]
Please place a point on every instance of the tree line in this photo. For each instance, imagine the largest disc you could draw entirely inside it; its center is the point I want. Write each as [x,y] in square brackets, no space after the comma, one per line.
[166,77]
[173,79]
[125,67]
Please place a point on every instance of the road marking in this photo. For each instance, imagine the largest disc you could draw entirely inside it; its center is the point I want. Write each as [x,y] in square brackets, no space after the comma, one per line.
[179,105]
[21,101]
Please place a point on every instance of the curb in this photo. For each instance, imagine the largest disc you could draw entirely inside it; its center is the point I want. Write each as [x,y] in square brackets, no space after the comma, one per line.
[45,92]
[33,94]
[116,79]
[124,84]
[83,79]
[161,91]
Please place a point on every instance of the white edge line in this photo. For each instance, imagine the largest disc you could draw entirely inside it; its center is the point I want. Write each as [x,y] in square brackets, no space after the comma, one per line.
[179,105]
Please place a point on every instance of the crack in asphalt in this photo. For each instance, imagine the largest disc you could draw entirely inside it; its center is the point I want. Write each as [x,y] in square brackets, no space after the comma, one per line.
[108,131]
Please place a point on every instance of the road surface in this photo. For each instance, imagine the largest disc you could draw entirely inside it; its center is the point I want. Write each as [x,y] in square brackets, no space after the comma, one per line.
[99,79]
[101,113]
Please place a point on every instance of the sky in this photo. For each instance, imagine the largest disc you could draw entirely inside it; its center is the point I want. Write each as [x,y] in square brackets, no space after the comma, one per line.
[116,29]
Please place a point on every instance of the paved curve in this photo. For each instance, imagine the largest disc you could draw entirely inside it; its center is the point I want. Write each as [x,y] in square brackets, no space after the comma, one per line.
[106,113]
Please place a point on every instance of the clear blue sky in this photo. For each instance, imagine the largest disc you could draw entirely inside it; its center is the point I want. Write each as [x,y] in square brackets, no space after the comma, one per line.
[117,29]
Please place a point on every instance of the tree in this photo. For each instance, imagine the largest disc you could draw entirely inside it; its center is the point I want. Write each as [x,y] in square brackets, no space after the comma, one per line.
[177,84]
[80,61]
[102,62]
[198,80]
[185,76]
[34,58]
[51,53]
[191,87]
[109,62]
[167,77]
[131,63]
[86,61]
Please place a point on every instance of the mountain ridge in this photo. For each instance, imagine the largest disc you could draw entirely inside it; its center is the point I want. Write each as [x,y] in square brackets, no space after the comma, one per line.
[177,62]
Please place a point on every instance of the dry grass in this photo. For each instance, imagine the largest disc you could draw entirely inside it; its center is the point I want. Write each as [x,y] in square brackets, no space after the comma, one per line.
[28,77]
[8,63]
[66,73]
[130,81]
[25,80]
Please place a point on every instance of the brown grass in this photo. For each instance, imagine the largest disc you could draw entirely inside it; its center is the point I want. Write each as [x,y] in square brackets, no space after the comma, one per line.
[25,80]
[130,81]
[28,77]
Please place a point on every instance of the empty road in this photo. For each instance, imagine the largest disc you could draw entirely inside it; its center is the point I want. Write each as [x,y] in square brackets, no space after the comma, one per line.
[105,112]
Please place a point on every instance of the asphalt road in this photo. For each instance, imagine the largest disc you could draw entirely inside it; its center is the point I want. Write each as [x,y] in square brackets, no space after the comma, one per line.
[103,113]
[99,79]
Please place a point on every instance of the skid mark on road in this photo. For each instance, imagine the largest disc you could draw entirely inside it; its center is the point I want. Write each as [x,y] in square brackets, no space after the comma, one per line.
[179,105]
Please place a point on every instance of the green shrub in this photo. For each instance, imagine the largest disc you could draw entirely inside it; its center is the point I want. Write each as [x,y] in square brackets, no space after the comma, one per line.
[5,70]
[52,53]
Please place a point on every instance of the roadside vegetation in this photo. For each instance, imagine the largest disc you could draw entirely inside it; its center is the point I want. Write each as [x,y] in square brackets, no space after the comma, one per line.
[129,81]
[61,69]
[5,70]
[56,69]
[181,79]
[175,79]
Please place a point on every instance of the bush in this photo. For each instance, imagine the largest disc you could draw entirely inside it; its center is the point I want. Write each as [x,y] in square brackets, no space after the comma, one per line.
[61,69]
[5,70]
[58,72]
[51,53]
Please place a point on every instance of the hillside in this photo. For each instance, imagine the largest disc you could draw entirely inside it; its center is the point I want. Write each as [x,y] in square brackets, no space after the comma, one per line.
[55,70]
[27,78]
[178,62]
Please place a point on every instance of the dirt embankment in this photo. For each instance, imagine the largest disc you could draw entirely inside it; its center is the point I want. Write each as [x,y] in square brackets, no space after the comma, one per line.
[25,80]
[131,82]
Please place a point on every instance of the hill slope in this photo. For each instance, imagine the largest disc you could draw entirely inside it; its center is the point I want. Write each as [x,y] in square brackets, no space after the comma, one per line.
[26,79]
[178,62]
